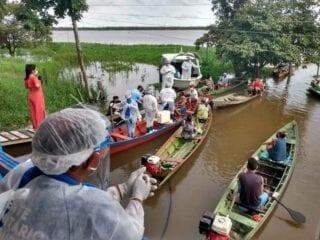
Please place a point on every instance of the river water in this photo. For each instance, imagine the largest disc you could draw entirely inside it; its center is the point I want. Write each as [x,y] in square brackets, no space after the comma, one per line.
[236,133]
[179,37]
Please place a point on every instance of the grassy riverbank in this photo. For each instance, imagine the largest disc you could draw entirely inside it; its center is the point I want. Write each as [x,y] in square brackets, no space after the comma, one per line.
[51,59]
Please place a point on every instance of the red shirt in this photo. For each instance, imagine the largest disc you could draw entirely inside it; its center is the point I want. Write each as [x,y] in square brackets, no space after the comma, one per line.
[258,85]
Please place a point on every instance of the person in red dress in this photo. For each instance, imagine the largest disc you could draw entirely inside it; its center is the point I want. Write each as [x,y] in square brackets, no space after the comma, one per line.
[35,96]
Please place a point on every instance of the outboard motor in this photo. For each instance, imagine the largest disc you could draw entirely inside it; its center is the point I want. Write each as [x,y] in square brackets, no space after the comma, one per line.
[205,223]
[144,159]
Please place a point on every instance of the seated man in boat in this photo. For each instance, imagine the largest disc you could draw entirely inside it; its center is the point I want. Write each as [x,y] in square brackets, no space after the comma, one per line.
[277,149]
[167,98]
[131,115]
[258,86]
[251,187]
[150,104]
[115,107]
[224,80]
[189,130]
[193,95]
[203,111]
[250,88]
[181,106]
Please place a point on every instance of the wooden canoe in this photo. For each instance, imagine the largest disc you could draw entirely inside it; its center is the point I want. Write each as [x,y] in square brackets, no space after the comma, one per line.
[281,73]
[121,142]
[277,176]
[314,89]
[232,100]
[223,90]
[176,150]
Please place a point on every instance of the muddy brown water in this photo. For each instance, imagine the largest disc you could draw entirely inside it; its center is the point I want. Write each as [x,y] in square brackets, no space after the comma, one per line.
[236,133]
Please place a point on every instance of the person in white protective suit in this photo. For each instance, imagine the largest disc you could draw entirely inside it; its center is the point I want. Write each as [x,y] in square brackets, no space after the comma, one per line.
[167,71]
[150,104]
[167,98]
[187,68]
[47,198]
[131,114]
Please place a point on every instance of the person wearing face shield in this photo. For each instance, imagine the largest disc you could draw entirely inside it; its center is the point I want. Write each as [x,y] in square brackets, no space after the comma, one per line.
[150,104]
[187,68]
[47,197]
[131,114]
[167,72]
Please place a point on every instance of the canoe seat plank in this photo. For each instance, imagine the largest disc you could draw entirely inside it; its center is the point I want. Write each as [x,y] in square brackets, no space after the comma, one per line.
[240,219]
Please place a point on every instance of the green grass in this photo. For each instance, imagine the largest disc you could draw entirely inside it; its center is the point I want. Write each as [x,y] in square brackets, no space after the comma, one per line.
[54,57]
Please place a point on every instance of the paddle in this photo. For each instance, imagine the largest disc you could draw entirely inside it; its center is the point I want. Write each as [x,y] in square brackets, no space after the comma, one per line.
[296,216]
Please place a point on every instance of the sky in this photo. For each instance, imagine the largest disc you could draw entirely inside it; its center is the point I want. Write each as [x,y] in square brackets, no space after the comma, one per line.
[148,13]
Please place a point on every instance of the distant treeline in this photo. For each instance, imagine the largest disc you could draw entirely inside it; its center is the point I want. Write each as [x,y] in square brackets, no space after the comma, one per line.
[130,28]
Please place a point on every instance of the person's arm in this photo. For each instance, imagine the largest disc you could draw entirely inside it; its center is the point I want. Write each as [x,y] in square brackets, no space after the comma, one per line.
[35,82]
[13,178]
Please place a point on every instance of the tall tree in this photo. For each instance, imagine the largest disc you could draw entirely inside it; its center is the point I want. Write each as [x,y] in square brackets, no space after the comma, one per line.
[62,8]
[252,34]
[15,32]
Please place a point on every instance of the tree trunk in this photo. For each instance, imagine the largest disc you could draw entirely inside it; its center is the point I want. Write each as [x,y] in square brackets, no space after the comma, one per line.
[12,51]
[318,70]
[80,58]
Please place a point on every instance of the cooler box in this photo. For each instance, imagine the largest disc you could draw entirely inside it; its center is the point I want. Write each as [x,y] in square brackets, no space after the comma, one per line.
[164,117]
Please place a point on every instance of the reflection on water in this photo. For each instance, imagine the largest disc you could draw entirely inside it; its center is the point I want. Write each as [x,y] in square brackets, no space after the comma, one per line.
[236,133]
[116,82]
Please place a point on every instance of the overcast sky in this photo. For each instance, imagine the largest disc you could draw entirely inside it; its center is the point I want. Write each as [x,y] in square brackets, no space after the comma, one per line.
[103,13]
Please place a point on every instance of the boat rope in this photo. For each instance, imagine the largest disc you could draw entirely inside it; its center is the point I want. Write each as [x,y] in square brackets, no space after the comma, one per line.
[168,214]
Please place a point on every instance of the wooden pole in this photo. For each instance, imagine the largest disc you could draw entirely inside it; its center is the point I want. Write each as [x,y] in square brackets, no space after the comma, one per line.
[80,58]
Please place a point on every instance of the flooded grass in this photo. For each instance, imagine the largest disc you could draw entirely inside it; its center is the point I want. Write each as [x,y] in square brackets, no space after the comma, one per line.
[53,58]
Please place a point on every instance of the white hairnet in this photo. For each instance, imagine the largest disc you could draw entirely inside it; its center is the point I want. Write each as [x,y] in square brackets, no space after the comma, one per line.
[67,138]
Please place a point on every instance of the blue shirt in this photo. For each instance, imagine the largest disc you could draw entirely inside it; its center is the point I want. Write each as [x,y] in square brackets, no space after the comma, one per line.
[279,152]
[136,95]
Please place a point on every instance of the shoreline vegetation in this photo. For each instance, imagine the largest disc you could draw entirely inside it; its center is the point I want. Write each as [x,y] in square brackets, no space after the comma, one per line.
[137,28]
[52,58]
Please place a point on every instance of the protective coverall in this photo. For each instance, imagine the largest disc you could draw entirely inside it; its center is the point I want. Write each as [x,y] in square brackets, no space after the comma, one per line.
[167,71]
[150,105]
[187,69]
[65,209]
[131,114]
[35,100]
[168,97]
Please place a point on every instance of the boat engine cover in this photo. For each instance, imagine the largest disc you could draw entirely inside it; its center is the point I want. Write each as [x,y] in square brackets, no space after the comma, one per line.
[222,225]
[153,159]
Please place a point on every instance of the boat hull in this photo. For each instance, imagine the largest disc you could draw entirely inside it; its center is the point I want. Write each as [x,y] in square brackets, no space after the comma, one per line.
[314,91]
[223,102]
[185,83]
[116,147]
[244,227]
[185,152]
